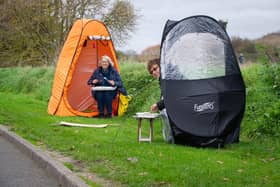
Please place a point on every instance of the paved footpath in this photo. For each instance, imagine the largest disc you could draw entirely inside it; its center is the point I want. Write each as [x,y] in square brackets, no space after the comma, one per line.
[24,165]
[16,169]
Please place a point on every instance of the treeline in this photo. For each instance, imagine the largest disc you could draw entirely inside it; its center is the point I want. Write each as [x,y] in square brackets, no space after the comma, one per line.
[267,47]
[258,49]
[32,32]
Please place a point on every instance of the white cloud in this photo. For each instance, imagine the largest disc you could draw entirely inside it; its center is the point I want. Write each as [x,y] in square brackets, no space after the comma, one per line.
[246,18]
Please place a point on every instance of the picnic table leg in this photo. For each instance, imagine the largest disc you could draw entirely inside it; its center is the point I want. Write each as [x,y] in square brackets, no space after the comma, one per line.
[139,129]
[151,130]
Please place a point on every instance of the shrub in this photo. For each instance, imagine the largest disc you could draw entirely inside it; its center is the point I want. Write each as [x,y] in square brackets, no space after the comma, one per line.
[262,106]
[35,81]
[244,46]
[143,88]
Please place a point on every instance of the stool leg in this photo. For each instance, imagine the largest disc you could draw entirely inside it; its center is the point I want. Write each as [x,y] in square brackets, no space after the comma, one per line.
[151,130]
[139,129]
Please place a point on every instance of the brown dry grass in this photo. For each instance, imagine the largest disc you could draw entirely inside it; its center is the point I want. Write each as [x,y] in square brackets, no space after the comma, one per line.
[272,39]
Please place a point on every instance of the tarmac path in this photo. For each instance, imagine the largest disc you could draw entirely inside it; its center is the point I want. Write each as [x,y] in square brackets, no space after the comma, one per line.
[18,170]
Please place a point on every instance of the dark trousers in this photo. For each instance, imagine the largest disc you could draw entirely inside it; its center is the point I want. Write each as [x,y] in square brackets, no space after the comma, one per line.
[104,99]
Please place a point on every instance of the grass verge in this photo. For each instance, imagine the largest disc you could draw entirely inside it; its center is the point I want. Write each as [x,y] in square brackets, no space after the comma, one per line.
[114,153]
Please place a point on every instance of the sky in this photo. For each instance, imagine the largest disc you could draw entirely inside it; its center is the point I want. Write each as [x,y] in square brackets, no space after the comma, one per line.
[249,19]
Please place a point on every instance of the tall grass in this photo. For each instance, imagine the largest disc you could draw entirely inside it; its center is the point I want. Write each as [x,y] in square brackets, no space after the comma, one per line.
[38,82]
[28,80]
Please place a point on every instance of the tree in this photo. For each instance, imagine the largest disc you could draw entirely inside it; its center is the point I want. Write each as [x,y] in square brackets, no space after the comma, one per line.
[32,32]
[150,53]
[121,20]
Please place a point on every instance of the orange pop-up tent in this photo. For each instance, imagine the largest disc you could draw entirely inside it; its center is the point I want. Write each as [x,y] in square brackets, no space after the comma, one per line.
[87,41]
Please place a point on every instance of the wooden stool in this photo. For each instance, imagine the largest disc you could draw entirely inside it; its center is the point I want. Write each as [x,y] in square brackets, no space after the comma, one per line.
[140,118]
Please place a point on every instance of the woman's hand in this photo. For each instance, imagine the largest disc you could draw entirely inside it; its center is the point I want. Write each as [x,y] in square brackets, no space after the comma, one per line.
[95,81]
[111,82]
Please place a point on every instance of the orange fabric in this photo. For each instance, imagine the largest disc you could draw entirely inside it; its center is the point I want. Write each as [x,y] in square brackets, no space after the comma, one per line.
[79,57]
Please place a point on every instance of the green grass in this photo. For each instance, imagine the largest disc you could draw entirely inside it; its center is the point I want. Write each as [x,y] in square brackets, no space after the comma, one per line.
[115,154]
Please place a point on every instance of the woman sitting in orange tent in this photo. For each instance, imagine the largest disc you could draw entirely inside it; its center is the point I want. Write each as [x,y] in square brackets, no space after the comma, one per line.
[105,81]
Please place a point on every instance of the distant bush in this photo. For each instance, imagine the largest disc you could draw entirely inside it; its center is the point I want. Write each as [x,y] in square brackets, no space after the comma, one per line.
[272,39]
[35,81]
[245,46]
[268,53]
[149,53]
[259,50]
[262,105]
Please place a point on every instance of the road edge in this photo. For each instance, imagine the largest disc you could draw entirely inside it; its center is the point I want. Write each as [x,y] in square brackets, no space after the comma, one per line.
[62,174]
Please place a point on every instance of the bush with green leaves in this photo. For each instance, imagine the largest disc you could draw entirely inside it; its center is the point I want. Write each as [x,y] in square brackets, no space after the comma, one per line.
[262,100]
[143,88]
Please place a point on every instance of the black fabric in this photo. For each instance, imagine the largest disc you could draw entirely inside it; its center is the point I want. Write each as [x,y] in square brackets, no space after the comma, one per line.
[203,112]
[168,25]
[224,94]
[160,104]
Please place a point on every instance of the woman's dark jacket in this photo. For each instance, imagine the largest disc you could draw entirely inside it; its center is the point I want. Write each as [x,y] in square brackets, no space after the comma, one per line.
[110,74]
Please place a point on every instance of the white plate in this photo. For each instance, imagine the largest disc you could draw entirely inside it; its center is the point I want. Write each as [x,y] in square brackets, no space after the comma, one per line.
[147,115]
[103,88]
